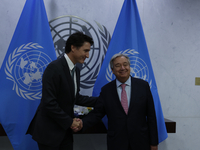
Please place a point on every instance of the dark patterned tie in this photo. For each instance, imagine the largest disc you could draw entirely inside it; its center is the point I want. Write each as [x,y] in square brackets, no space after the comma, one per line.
[72,74]
[124,99]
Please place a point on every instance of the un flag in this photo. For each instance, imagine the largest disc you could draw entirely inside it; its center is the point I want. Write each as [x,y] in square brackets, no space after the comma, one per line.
[30,51]
[128,38]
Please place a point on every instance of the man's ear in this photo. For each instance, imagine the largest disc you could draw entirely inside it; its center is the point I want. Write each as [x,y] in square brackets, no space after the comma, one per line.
[112,70]
[72,48]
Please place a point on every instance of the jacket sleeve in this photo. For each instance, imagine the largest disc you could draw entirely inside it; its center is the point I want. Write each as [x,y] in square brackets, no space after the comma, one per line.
[49,101]
[95,115]
[83,100]
[151,118]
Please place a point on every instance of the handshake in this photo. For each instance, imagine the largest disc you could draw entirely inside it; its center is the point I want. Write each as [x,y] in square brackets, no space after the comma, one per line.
[77,124]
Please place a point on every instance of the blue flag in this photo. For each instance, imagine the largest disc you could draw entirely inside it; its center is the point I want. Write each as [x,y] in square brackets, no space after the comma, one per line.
[30,51]
[128,38]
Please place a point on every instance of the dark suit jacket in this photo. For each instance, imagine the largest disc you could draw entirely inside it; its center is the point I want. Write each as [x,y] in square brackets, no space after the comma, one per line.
[55,113]
[138,129]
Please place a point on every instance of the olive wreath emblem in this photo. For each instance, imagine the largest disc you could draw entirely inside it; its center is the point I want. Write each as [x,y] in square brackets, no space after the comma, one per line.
[9,69]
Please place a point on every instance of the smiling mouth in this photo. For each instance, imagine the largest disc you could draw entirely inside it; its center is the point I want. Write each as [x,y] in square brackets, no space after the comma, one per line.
[124,72]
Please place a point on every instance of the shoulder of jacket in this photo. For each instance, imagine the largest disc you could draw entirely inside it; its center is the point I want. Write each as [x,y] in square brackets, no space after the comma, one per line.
[109,85]
[138,80]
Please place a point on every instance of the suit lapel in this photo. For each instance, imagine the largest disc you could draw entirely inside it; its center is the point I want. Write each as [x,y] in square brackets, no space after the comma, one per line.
[68,75]
[133,91]
[116,96]
[77,79]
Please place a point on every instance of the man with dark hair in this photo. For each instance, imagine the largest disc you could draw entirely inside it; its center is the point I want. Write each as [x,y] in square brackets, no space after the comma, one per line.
[77,40]
[54,118]
[129,106]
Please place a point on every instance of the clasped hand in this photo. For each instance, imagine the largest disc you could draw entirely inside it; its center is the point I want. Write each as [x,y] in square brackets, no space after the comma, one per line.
[77,124]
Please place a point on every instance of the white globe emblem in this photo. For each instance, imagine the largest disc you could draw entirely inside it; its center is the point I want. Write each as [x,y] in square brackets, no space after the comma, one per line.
[29,69]
[24,67]
[139,68]
[62,27]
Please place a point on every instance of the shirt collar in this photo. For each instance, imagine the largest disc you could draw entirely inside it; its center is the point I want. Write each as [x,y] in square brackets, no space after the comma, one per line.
[70,63]
[128,82]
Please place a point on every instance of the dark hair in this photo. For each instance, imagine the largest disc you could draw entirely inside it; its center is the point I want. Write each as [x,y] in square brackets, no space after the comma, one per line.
[77,39]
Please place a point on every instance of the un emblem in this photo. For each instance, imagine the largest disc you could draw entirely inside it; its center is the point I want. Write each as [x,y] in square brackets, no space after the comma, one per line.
[25,67]
[63,27]
[139,68]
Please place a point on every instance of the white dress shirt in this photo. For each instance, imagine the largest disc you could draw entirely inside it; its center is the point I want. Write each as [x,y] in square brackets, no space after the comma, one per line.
[71,66]
[127,89]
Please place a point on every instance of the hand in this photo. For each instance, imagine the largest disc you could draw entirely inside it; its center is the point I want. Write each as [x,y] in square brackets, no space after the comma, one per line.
[154,147]
[77,124]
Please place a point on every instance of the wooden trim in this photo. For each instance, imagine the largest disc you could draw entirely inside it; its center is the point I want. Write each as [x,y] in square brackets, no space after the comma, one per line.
[2,132]
[170,126]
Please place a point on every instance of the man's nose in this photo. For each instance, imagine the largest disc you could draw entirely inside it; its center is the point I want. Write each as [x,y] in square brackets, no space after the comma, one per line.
[87,55]
[122,67]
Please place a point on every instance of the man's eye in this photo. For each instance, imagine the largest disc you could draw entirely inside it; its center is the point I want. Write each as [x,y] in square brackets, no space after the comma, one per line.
[117,66]
[125,64]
